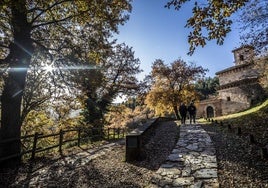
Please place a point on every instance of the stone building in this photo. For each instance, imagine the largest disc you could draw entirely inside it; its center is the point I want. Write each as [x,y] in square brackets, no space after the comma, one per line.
[239,87]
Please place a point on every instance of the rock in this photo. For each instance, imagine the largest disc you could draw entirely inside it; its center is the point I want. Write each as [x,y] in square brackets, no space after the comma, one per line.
[167,166]
[183,181]
[186,172]
[206,173]
[198,184]
[174,158]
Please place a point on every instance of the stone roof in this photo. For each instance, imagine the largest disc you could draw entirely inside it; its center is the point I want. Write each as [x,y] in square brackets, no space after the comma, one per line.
[233,68]
[244,46]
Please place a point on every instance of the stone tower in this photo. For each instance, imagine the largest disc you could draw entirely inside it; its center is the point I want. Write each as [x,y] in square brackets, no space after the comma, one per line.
[239,87]
[243,55]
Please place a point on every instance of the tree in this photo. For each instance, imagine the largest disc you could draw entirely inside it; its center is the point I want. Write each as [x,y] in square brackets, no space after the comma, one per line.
[63,30]
[207,86]
[38,88]
[254,31]
[211,20]
[120,70]
[172,84]
[254,25]
[125,116]
[117,75]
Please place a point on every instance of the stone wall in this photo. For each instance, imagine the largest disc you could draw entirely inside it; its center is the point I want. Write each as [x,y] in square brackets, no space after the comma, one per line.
[204,105]
[235,99]
[237,73]
[239,88]
[243,54]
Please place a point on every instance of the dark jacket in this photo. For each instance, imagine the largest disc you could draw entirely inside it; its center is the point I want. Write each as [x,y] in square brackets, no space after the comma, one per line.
[183,109]
[191,109]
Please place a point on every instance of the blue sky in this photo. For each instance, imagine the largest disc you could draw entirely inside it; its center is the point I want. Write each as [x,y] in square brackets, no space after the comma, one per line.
[156,32]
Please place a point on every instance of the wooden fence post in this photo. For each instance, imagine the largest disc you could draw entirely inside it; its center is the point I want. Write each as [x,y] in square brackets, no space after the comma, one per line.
[239,131]
[114,132]
[100,133]
[79,137]
[60,141]
[229,127]
[108,133]
[251,139]
[264,152]
[34,145]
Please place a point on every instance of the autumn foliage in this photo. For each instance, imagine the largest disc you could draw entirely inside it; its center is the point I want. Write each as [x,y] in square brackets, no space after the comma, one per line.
[171,85]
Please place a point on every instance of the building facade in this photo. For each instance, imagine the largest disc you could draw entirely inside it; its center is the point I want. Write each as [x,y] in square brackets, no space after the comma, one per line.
[239,87]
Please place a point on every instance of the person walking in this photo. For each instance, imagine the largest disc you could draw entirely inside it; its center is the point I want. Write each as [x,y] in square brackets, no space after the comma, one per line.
[183,112]
[192,112]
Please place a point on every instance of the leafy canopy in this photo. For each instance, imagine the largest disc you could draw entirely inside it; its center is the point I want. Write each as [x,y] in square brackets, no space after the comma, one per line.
[253,21]
[210,20]
[172,84]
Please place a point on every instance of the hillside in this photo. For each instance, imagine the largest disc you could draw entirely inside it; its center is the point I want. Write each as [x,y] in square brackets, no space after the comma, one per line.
[240,163]
[252,121]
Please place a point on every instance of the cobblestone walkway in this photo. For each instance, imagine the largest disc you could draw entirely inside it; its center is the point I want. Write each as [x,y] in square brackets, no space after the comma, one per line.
[192,163]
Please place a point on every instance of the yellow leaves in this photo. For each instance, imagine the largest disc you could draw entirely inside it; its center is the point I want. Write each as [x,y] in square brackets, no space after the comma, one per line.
[172,85]
[217,3]
[95,56]
[82,5]
[226,13]
[42,122]
[124,117]
[37,121]
[118,116]
[160,100]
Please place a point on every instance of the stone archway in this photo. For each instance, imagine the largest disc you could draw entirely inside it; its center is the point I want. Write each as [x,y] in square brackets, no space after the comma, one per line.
[210,112]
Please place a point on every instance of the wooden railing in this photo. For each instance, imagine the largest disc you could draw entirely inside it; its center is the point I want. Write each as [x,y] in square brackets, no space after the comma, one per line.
[78,136]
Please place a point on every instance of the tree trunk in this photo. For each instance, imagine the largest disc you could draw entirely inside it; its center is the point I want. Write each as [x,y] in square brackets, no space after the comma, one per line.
[176,112]
[18,60]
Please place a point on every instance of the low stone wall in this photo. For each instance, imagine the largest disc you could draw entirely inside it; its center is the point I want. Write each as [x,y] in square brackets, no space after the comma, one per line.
[138,138]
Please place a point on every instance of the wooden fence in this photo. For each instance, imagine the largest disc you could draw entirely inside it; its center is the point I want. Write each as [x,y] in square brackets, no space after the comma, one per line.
[78,136]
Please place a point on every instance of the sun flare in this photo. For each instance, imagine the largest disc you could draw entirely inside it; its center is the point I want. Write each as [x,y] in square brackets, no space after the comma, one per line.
[48,68]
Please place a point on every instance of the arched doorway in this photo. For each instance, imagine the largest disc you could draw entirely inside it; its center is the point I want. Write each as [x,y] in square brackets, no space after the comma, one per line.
[210,112]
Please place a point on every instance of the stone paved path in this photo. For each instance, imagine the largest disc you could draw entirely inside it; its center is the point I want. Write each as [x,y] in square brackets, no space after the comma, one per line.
[192,162]
[40,178]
